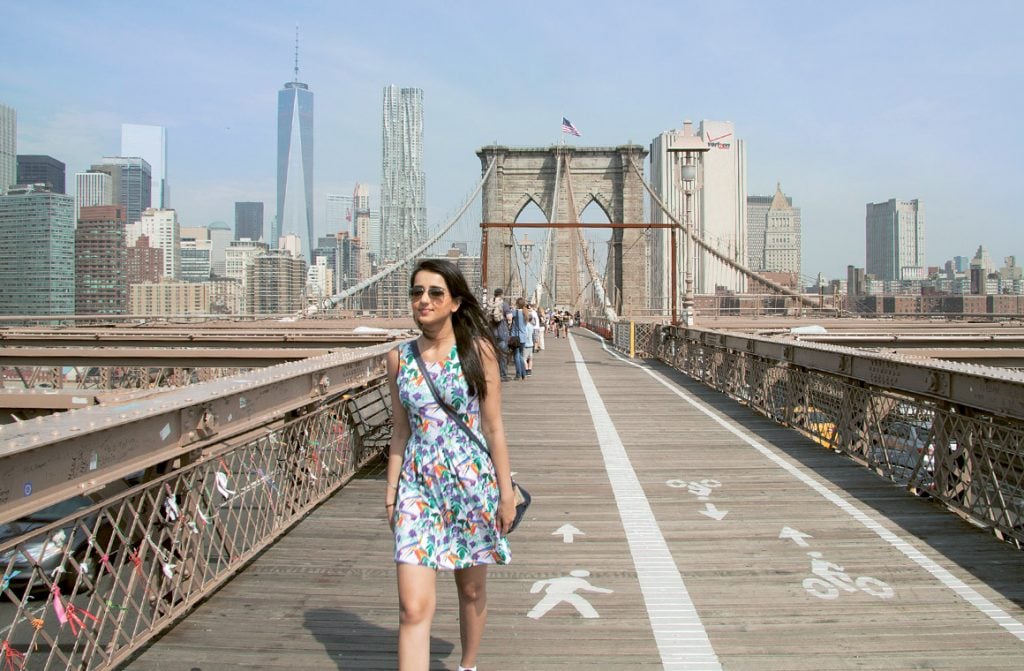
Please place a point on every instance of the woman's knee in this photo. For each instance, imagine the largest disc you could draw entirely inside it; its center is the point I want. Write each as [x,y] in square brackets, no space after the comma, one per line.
[416,609]
[473,591]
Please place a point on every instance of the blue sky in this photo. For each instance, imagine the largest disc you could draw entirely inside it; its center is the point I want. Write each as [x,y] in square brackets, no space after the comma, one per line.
[844,103]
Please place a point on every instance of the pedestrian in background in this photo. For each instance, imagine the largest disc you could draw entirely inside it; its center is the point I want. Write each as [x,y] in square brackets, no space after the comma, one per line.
[497,311]
[531,338]
[519,331]
[542,325]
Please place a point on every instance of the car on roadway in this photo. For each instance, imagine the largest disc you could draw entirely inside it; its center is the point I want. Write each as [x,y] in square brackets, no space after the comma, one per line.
[816,422]
[49,552]
[905,447]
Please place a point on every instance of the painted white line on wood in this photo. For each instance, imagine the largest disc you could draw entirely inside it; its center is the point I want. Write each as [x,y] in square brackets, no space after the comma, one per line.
[962,589]
[678,632]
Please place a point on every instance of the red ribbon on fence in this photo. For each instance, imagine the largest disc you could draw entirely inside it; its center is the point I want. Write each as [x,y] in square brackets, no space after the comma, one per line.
[74,619]
[12,657]
[69,613]
[136,560]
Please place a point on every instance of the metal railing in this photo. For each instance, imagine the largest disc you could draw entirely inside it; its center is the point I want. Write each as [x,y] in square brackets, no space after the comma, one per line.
[631,337]
[85,585]
[954,432]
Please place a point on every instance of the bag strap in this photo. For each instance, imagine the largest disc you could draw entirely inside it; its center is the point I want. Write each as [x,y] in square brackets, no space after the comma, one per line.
[450,411]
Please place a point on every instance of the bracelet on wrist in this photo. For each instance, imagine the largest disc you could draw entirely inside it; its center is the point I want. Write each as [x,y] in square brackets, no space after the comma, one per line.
[391,486]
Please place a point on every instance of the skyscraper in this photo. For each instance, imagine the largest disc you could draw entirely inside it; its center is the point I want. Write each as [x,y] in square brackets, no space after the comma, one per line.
[37,252]
[40,169]
[773,233]
[895,240]
[150,143]
[220,237]
[92,189]
[249,221]
[132,181]
[101,261]
[403,184]
[8,147]
[338,215]
[721,202]
[363,220]
[162,229]
[295,161]
[717,209]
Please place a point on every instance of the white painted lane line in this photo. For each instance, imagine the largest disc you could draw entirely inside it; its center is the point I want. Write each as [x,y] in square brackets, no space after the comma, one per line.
[678,632]
[962,589]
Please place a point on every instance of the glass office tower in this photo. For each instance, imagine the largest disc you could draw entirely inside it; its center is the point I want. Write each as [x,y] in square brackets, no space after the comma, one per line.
[295,164]
[37,252]
[132,181]
[8,147]
[150,143]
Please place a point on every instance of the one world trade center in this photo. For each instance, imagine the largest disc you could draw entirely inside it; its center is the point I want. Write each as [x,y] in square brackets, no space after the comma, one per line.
[295,163]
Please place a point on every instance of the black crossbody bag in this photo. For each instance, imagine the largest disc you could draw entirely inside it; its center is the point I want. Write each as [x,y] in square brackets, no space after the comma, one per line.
[523,497]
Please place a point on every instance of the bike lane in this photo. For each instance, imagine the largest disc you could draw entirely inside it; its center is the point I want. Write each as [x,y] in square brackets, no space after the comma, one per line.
[784,547]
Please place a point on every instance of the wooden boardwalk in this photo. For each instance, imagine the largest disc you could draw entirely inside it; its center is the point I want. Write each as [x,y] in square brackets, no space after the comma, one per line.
[725,511]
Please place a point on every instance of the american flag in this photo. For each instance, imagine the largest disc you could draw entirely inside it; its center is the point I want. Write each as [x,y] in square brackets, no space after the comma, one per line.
[567,127]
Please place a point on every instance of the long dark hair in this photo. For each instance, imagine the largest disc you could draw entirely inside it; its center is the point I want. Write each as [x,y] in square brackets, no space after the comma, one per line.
[469,322]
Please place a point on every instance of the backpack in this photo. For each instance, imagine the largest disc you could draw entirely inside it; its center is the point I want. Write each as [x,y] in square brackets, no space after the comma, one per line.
[497,314]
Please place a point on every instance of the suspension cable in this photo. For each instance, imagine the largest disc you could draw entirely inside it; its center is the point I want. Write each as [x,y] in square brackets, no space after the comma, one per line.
[595,278]
[732,263]
[397,265]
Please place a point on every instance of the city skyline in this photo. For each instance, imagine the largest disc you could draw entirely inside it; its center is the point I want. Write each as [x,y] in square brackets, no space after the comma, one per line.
[866,103]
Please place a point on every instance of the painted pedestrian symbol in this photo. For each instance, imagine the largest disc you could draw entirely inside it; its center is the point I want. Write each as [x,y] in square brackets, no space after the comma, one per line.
[563,589]
[831,578]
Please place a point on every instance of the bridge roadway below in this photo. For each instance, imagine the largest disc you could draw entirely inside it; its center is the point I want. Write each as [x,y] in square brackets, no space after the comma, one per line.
[699,526]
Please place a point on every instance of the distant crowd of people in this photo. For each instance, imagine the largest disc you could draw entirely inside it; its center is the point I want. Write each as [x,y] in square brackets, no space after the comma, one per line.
[520,328]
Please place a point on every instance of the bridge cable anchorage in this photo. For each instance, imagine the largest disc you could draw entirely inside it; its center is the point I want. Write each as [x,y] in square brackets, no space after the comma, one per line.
[401,263]
[732,263]
[595,278]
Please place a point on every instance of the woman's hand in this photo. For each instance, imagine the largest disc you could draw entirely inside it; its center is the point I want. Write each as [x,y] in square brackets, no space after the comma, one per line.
[390,509]
[506,512]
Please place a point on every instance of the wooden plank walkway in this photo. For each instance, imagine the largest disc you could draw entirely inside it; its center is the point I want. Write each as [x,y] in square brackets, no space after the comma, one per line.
[724,510]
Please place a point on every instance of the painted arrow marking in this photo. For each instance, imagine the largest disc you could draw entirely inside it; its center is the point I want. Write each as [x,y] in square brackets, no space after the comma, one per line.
[567,531]
[711,511]
[795,536]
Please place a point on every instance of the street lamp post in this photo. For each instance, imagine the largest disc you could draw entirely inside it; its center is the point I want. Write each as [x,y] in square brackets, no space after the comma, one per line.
[526,249]
[509,245]
[686,148]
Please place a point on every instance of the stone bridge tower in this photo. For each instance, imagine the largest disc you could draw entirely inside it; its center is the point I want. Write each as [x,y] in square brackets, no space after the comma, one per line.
[588,174]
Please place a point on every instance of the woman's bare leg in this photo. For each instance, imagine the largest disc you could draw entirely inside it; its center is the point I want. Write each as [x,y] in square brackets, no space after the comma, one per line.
[472,584]
[417,598]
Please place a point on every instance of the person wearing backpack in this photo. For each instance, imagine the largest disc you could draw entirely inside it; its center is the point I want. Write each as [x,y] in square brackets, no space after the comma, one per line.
[497,311]
[519,336]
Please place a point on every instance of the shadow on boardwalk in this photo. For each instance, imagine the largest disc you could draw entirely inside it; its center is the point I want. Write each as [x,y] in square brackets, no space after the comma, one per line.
[353,643]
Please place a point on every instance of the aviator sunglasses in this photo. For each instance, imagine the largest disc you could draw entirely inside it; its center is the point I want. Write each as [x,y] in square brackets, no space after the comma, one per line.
[435,293]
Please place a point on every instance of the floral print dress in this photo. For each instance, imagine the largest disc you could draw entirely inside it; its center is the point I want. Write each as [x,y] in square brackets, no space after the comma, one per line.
[447,492]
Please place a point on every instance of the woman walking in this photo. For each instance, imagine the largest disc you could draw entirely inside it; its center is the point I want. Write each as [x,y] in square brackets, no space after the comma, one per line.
[449,503]
[542,325]
[520,329]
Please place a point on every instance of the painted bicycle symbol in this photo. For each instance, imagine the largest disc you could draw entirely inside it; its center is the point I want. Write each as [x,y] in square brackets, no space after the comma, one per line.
[831,578]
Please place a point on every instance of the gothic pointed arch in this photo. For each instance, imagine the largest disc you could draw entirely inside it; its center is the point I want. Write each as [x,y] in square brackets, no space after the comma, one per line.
[606,176]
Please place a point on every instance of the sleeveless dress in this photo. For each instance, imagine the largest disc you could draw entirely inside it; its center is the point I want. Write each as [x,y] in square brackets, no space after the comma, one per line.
[447,493]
